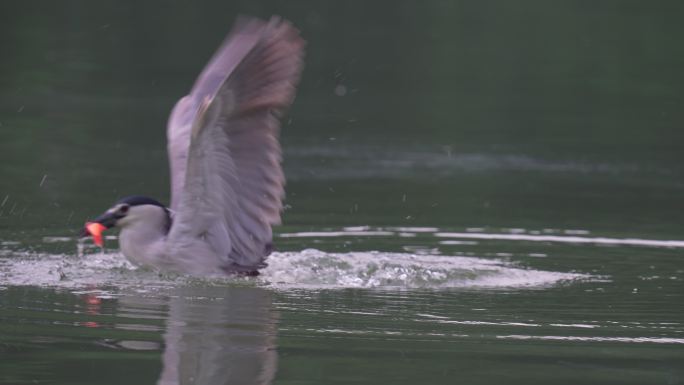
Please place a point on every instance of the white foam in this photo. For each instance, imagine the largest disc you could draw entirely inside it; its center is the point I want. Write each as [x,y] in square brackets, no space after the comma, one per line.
[317,269]
[309,268]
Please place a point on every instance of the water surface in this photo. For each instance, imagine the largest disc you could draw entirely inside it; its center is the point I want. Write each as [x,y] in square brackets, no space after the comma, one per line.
[478,192]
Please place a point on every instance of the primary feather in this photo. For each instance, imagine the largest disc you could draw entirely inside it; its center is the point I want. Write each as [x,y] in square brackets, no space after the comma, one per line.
[227,183]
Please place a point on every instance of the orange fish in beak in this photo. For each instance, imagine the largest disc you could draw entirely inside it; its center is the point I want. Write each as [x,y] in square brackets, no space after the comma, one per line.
[95,229]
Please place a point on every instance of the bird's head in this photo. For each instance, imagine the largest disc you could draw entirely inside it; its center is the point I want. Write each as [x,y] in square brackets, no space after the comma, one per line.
[126,211]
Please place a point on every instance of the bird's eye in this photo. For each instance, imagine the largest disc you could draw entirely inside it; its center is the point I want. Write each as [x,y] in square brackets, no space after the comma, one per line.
[123,209]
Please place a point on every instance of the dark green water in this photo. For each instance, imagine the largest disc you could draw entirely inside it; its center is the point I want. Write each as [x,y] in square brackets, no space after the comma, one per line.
[479,192]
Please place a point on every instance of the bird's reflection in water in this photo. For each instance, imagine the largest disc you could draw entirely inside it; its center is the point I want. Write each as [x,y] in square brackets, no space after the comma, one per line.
[217,335]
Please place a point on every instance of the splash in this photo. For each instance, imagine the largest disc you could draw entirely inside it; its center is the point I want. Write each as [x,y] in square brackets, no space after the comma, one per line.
[317,269]
[65,271]
[313,269]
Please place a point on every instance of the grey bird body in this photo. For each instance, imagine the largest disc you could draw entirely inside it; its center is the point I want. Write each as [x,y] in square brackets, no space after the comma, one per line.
[227,183]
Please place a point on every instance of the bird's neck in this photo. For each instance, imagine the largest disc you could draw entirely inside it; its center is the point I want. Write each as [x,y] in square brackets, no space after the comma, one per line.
[143,241]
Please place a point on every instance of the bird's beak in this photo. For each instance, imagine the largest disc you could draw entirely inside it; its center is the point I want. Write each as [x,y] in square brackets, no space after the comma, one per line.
[97,226]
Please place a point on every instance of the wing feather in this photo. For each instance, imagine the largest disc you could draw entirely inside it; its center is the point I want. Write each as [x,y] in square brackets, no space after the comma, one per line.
[223,144]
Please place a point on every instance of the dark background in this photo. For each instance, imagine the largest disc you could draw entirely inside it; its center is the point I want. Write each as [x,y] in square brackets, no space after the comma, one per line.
[447,113]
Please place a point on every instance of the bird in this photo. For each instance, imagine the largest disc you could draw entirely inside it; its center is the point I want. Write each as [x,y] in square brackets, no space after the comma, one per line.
[227,182]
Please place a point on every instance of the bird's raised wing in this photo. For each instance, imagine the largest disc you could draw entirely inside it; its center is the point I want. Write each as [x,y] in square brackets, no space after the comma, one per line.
[226,178]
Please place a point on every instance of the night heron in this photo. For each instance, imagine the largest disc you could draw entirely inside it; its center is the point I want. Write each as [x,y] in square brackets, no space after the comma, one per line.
[227,183]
